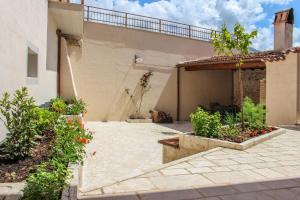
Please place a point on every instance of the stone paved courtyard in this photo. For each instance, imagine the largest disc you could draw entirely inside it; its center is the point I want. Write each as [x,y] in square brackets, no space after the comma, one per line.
[278,158]
[122,150]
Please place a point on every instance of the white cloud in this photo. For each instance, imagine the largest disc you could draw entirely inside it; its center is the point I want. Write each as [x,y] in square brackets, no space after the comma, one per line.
[206,13]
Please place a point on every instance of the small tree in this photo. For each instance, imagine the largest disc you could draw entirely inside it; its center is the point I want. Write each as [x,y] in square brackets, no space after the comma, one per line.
[230,45]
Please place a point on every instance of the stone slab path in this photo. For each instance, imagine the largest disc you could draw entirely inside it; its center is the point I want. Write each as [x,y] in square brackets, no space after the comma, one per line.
[122,150]
[278,158]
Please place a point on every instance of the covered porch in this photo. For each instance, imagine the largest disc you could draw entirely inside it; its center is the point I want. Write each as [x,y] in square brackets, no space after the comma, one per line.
[269,78]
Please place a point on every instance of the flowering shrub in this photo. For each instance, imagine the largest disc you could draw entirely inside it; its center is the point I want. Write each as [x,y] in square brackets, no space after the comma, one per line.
[205,124]
[69,107]
[50,178]
[19,119]
[70,142]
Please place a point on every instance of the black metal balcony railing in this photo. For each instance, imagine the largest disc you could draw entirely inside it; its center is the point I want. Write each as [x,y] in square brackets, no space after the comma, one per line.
[123,19]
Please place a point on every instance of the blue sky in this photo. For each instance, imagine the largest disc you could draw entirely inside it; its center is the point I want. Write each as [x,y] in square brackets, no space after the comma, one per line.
[252,14]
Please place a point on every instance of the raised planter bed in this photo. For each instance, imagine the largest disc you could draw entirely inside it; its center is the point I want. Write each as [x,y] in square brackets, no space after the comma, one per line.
[188,144]
[191,141]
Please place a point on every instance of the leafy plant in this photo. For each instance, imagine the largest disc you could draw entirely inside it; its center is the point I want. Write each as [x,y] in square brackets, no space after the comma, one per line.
[75,107]
[70,142]
[205,124]
[58,105]
[44,119]
[18,117]
[254,114]
[227,44]
[47,181]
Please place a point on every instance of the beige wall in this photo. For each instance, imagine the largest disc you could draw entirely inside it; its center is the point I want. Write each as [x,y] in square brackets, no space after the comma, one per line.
[23,25]
[68,88]
[282,91]
[202,88]
[104,67]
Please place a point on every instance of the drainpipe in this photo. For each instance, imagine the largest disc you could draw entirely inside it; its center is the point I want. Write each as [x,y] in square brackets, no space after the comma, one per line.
[178,94]
[59,35]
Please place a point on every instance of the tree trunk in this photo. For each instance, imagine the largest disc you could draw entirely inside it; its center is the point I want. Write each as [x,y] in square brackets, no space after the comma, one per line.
[241,95]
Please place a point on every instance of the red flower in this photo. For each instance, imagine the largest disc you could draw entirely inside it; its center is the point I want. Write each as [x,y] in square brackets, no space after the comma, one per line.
[84,140]
[263,132]
[270,129]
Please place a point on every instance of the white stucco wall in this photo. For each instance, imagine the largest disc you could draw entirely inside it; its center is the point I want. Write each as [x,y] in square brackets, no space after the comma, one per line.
[23,25]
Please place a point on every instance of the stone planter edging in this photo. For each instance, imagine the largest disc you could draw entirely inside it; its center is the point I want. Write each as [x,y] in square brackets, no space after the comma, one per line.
[70,193]
[188,141]
[12,191]
[139,120]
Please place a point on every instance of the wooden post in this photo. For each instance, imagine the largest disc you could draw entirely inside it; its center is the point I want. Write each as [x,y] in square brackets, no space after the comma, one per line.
[126,18]
[190,31]
[82,2]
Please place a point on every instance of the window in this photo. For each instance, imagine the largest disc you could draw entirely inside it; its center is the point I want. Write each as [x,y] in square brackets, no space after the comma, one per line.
[32,64]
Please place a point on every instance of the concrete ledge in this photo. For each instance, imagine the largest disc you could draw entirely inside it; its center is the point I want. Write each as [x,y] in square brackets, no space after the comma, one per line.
[202,144]
[189,144]
[70,193]
[139,120]
[11,191]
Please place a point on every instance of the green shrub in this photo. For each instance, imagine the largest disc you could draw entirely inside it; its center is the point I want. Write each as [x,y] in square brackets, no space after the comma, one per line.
[254,115]
[70,142]
[58,105]
[231,131]
[205,124]
[18,117]
[45,119]
[75,107]
[47,182]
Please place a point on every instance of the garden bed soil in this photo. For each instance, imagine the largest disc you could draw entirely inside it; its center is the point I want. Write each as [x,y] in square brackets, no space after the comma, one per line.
[247,135]
[18,170]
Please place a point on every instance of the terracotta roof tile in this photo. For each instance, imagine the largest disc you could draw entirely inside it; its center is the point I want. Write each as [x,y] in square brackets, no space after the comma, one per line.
[264,56]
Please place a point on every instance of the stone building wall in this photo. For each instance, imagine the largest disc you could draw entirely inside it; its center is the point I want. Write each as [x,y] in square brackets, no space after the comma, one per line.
[251,84]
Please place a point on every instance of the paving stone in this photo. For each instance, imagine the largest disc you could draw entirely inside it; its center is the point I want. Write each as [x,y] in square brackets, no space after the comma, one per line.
[282,194]
[287,170]
[250,187]
[132,185]
[240,167]
[228,177]
[221,169]
[247,196]
[180,166]
[198,170]
[247,160]
[252,174]
[217,191]
[171,195]
[209,198]
[156,173]
[180,181]
[115,197]
[225,162]
[268,173]
[277,184]
[169,172]
[202,163]
[266,164]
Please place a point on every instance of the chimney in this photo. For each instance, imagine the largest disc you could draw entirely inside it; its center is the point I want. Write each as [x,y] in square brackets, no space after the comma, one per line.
[283,29]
